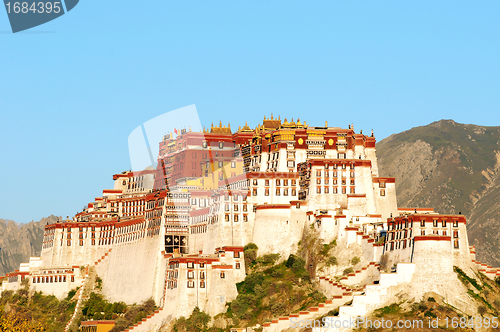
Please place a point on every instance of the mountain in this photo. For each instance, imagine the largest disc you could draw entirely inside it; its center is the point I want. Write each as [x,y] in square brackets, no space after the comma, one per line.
[20,241]
[454,168]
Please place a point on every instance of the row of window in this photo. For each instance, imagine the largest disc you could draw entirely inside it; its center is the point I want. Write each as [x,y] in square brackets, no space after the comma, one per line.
[47,279]
[334,181]
[293,192]
[278,182]
[326,190]
[435,223]
[236,218]
[402,244]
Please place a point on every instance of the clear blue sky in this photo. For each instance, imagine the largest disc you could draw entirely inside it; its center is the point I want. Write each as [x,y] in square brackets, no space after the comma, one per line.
[72,90]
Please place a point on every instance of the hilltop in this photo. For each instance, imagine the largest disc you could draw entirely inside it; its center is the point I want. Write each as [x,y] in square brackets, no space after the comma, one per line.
[454,168]
[20,241]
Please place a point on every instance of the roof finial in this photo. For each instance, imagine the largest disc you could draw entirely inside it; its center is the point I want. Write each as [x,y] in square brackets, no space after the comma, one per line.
[372,132]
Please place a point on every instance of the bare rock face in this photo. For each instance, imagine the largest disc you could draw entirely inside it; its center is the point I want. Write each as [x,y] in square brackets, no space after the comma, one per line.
[453,168]
[18,242]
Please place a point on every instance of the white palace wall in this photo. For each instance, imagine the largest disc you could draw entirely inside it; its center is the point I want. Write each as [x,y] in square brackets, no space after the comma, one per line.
[130,276]
[278,228]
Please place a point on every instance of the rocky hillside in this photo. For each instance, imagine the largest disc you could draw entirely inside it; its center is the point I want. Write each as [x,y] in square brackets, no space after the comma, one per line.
[454,168]
[20,241]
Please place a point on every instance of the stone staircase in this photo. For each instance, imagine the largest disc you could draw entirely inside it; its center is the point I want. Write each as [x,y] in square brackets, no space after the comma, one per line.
[103,257]
[85,288]
[489,271]
[373,297]
[81,295]
[351,282]
[285,322]
[150,323]
[154,321]
[339,296]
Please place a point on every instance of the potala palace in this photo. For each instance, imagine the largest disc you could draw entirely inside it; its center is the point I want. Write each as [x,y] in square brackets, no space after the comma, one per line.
[176,233]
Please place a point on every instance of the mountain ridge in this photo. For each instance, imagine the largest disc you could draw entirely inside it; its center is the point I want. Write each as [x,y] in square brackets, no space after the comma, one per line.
[454,168]
[20,241]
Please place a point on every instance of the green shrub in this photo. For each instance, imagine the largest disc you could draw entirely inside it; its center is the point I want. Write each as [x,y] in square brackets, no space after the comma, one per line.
[482,310]
[429,313]
[197,322]
[355,260]
[268,259]
[466,279]
[348,270]
[431,299]
[332,260]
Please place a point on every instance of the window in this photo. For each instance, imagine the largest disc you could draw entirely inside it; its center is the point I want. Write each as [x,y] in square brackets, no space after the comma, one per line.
[221,145]
[235,207]
[455,223]
[327,174]
[422,223]
[267,192]
[455,244]
[443,223]
[267,182]
[285,192]
[294,192]
[226,207]
[238,265]
[220,164]
[190,265]
[227,217]
[204,144]
[318,181]
[202,274]
[382,192]
[236,218]
[190,275]
[202,284]
[245,208]
[353,174]
[245,217]
[278,191]
[343,190]
[294,182]
[455,234]
[236,254]
[422,232]
[202,265]
[190,284]
[254,191]
[318,190]
[381,185]
[326,190]
[222,274]
[233,164]
[435,223]
[318,172]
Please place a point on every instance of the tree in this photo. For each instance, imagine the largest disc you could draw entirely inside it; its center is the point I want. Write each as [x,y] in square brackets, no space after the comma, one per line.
[311,248]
